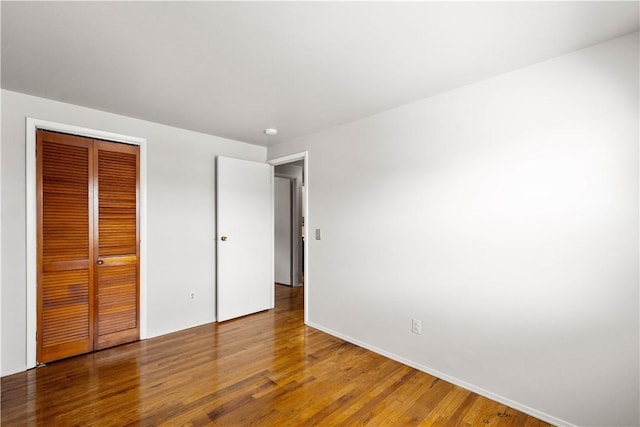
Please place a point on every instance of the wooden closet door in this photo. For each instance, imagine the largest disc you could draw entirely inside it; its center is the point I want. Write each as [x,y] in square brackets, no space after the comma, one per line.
[65,270]
[116,237]
[88,251]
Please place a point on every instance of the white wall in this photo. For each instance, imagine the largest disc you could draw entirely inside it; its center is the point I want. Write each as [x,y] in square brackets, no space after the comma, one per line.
[180,215]
[504,215]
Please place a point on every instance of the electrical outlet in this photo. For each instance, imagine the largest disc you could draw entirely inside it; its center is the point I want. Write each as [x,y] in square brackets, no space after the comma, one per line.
[416,326]
[192,296]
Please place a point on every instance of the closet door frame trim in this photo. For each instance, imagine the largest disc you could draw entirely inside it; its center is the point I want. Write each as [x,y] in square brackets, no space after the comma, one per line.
[33,125]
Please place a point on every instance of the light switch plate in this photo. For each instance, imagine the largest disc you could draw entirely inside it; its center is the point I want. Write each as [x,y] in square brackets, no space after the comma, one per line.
[318,234]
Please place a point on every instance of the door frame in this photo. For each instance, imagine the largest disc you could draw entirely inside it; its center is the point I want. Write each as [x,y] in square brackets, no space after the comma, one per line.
[303,155]
[32,125]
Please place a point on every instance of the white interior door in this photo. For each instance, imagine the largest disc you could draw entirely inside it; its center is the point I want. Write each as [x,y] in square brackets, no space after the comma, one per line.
[245,237]
[282,212]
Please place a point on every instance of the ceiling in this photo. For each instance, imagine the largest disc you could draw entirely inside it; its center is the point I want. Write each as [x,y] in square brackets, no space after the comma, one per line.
[233,69]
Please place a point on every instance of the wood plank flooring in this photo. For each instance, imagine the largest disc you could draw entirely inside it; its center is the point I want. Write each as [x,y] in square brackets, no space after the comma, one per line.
[267,369]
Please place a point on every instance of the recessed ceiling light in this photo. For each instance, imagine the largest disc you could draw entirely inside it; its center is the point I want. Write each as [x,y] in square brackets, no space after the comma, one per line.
[271,131]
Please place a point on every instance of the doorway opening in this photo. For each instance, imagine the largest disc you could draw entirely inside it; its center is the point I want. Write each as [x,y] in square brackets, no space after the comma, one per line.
[291,261]
[288,199]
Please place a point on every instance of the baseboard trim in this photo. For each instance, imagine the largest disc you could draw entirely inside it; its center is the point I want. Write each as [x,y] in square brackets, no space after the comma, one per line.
[460,383]
[12,371]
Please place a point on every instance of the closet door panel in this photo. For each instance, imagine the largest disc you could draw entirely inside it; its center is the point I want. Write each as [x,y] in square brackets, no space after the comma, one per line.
[116,243]
[88,250]
[65,325]
[64,246]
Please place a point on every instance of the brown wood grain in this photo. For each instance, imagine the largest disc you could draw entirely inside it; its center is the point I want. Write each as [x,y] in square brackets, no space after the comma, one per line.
[88,244]
[64,252]
[267,369]
[116,244]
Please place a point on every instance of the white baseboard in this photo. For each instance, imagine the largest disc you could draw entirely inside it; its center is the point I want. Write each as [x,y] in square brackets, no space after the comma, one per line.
[11,371]
[478,390]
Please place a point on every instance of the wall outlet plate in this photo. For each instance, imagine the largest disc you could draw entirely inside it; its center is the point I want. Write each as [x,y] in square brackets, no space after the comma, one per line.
[416,326]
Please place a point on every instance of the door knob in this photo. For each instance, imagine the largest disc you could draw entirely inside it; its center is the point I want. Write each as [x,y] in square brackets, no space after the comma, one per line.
[100,262]
[223,238]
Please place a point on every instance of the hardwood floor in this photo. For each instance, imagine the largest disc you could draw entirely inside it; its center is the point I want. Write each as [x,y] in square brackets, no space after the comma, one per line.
[267,369]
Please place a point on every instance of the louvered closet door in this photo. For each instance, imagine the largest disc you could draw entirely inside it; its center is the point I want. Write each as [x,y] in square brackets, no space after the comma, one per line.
[88,263]
[65,252]
[116,243]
